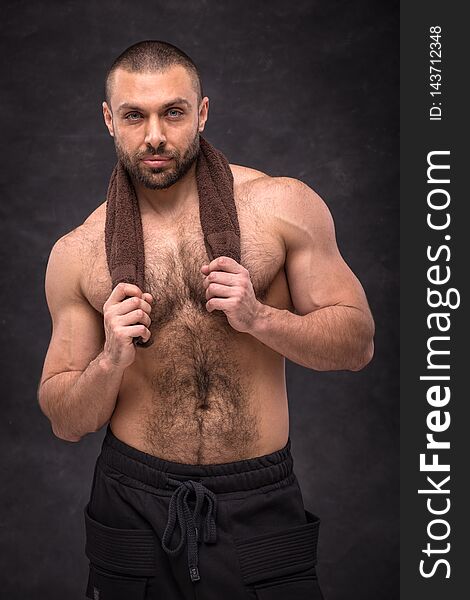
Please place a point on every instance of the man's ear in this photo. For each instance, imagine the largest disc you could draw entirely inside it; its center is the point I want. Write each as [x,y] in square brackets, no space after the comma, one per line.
[203,113]
[108,118]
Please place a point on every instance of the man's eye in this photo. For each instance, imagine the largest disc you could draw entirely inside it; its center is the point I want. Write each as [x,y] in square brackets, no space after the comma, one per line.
[174,113]
[133,116]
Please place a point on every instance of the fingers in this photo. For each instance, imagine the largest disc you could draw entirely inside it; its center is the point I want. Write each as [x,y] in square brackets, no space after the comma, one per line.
[223,304]
[138,330]
[122,290]
[134,317]
[127,297]
[225,284]
[223,263]
[130,304]
[220,277]
[219,291]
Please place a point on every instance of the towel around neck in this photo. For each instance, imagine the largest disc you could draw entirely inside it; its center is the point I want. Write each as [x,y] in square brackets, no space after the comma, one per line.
[123,225]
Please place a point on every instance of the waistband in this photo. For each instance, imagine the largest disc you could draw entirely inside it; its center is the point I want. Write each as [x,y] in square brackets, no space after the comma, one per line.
[241,475]
[193,503]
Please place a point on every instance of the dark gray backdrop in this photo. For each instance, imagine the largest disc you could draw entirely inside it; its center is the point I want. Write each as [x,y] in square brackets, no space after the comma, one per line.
[307,90]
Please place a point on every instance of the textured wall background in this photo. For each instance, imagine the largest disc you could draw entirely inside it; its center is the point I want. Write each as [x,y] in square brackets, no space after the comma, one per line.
[306,89]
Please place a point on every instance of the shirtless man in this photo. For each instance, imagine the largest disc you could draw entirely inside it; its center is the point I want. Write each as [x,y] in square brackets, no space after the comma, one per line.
[207,401]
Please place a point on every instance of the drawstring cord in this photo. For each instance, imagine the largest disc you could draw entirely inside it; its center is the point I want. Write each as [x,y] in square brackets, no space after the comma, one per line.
[190,523]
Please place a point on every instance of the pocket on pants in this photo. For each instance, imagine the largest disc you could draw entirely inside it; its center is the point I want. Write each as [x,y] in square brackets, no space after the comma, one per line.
[121,560]
[281,564]
[108,586]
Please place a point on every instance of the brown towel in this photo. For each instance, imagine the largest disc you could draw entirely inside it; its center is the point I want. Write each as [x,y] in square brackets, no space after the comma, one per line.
[217,213]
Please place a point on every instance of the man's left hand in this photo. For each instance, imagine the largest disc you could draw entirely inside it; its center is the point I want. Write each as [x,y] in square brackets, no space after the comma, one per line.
[229,289]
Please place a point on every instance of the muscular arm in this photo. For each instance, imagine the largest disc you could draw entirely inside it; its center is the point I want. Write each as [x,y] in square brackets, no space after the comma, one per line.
[79,384]
[333,327]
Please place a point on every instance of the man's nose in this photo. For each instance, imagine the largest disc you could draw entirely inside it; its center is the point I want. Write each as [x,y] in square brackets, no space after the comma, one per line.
[154,134]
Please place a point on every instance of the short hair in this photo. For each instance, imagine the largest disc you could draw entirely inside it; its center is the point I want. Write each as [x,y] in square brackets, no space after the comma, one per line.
[151,56]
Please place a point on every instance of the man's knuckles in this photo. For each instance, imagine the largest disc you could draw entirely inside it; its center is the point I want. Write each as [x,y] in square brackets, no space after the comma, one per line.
[213,289]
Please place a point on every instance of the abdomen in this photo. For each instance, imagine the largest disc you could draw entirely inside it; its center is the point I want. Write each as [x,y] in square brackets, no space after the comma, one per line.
[203,393]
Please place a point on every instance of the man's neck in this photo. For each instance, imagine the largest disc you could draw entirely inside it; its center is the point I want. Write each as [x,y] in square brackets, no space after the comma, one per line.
[169,203]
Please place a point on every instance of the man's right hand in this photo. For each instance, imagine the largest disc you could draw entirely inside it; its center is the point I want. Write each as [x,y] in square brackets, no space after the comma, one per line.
[126,315]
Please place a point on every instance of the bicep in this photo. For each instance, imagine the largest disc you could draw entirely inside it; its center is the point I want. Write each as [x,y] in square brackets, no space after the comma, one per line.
[77,328]
[316,272]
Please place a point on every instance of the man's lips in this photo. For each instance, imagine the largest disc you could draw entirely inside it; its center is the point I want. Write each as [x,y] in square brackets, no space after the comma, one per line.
[156,160]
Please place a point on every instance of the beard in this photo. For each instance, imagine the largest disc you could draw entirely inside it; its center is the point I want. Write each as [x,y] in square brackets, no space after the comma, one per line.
[158,178]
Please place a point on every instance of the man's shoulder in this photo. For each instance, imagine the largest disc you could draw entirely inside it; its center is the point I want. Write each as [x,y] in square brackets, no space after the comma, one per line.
[89,231]
[284,191]
[245,175]
[293,207]
[96,218]
[79,244]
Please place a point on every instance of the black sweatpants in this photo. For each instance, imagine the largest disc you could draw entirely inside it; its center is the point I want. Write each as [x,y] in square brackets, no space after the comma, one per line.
[157,529]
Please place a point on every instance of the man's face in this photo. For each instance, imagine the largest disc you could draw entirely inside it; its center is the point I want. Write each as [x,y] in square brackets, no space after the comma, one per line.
[155,121]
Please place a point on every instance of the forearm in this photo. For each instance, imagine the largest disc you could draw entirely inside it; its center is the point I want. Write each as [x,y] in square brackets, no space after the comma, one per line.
[78,403]
[331,338]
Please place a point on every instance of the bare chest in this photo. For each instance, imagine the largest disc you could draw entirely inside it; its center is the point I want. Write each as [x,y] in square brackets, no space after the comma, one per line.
[173,259]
